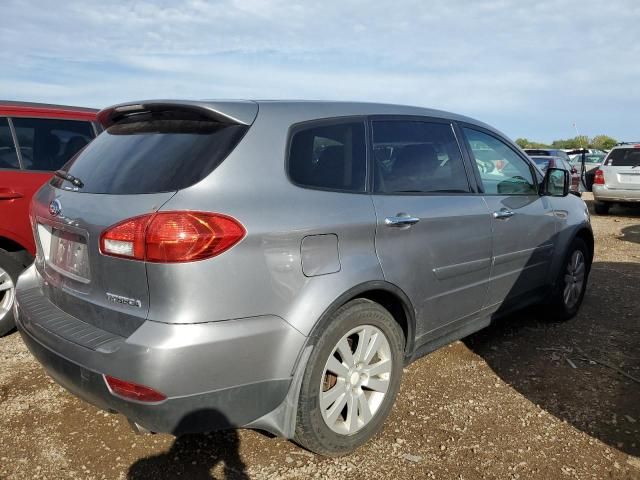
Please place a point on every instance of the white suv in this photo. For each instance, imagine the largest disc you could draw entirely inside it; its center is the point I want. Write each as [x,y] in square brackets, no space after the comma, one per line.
[618,178]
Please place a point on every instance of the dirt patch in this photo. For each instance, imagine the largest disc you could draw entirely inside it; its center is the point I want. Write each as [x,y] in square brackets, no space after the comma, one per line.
[523,399]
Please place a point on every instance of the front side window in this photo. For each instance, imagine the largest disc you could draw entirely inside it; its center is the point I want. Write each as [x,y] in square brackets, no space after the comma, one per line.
[8,156]
[47,144]
[417,157]
[502,170]
[329,157]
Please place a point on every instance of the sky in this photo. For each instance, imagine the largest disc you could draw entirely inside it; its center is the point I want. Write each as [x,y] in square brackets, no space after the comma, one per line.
[530,69]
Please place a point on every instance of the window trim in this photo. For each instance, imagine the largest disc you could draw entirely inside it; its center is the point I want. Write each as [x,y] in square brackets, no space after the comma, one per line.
[14,138]
[16,143]
[533,170]
[321,122]
[421,119]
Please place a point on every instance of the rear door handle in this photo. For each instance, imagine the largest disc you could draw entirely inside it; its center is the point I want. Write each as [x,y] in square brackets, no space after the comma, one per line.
[401,220]
[6,194]
[503,214]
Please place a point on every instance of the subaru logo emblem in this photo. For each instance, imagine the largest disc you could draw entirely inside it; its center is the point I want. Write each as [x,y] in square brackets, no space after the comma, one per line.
[55,208]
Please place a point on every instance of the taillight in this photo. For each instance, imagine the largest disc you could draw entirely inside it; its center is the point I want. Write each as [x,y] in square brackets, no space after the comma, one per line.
[133,391]
[172,237]
[599,178]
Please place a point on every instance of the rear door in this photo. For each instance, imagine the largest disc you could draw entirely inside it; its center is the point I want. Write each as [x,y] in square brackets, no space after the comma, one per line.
[131,169]
[523,222]
[433,234]
[622,169]
[44,145]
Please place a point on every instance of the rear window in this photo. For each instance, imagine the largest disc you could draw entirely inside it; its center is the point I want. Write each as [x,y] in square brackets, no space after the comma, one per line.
[331,157]
[624,157]
[153,153]
[542,163]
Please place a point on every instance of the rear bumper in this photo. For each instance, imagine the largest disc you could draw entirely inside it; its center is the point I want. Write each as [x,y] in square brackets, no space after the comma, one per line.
[603,194]
[216,375]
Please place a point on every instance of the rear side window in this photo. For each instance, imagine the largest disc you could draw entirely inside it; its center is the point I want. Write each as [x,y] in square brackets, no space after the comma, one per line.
[8,156]
[624,157]
[417,157]
[329,157]
[153,153]
[47,144]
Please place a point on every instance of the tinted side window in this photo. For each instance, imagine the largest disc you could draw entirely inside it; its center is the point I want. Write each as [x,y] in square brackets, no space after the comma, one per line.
[502,170]
[417,157]
[8,156]
[47,144]
[329,156]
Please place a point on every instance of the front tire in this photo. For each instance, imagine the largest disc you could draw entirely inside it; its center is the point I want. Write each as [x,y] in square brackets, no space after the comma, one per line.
[351,379]
[571,283]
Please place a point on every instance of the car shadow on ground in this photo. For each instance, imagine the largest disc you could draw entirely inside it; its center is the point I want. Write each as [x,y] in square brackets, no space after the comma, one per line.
[631,233]
[195,456]
[575,369]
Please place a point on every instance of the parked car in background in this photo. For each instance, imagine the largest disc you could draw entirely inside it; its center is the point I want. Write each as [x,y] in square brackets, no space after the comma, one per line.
[589,151]
[617,180]
[275,265]
[546,152]
[35,140]
[543,163]
[591,163]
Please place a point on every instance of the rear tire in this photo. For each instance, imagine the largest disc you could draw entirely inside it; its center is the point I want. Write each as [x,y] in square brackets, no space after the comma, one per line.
[602,208]
[10,269]
[351,379]
[571,283]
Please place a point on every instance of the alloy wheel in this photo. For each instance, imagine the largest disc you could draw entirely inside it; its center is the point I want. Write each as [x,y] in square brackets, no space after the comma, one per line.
[355,379]
[574,279]
[7,293]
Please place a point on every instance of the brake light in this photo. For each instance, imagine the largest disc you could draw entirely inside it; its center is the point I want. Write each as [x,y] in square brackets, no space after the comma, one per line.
[133,391]
[172,237]
[599,178]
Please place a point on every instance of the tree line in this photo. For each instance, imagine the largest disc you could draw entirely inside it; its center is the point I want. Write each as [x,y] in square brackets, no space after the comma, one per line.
[601,142]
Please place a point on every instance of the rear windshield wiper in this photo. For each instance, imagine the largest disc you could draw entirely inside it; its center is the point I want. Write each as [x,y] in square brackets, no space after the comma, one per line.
[75,181]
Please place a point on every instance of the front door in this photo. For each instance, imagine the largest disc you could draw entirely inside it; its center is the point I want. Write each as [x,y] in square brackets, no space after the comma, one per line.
[523,222]
[433,235]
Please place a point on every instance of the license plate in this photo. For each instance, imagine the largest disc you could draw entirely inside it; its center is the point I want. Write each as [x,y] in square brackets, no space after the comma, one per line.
[68,255]
[630,178]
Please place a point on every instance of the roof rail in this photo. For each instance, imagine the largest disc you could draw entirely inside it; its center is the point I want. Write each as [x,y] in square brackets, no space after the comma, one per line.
[627,143]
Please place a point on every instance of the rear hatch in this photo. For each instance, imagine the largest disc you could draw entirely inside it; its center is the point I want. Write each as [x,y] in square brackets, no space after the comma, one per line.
[622,168]
[147,153]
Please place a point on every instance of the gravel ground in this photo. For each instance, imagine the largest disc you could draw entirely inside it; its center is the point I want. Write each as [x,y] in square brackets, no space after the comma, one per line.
[523,399]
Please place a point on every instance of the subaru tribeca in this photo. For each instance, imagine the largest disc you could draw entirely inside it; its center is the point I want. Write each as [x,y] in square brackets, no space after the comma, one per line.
[275,265]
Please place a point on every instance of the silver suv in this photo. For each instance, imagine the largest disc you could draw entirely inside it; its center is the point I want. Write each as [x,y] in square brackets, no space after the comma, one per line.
[275,265]
[617,180]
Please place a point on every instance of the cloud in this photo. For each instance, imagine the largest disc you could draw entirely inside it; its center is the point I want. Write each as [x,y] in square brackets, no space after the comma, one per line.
[530,69]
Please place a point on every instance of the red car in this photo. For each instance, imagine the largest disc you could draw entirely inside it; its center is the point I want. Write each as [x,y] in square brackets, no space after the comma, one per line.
[544,162]
[35,141]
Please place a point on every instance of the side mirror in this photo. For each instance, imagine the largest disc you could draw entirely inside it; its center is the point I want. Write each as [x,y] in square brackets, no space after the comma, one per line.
[555,183]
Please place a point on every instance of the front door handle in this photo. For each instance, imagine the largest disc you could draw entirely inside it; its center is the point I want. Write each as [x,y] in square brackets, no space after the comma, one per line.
[6,194]
[401,220]
[503,214]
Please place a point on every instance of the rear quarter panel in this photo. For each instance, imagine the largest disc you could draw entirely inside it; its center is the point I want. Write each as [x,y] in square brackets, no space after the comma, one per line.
[262,275]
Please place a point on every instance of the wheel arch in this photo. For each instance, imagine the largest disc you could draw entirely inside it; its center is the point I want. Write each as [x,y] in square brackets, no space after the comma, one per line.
[384,293]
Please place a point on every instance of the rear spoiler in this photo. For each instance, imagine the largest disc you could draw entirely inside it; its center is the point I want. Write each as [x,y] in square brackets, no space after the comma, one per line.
[233,112]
